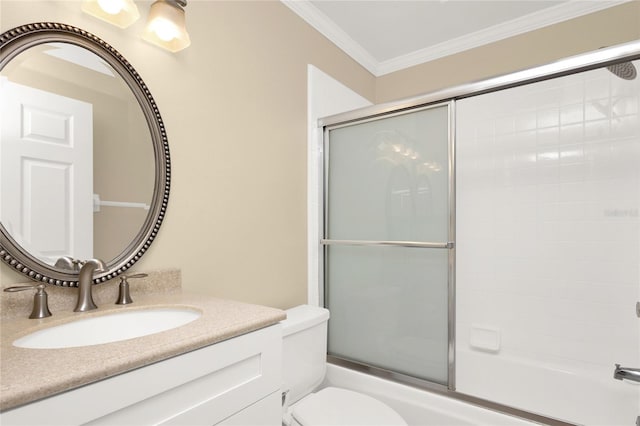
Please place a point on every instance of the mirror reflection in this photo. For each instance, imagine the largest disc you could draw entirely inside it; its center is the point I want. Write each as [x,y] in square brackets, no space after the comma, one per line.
[76,155]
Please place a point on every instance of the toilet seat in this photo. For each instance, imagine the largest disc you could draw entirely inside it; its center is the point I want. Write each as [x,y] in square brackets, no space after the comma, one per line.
[336,407]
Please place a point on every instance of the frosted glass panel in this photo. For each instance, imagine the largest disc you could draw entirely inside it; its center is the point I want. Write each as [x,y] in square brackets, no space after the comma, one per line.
[388,178]
[389,308]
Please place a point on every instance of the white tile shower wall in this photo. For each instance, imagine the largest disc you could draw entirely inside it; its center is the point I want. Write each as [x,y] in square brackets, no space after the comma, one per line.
[548,245]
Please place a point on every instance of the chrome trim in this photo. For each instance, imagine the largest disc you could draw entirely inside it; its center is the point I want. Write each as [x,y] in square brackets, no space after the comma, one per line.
[389,114]
[386,374]
[451,295]
[442,390]
[329,242]
[322,218]
[571,65]
[325,219]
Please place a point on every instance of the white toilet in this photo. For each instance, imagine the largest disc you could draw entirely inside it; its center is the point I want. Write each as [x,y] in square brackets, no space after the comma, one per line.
[304,365]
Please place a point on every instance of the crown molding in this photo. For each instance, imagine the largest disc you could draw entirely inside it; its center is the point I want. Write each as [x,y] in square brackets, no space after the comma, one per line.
[318,20]
[530,22]
[553,15]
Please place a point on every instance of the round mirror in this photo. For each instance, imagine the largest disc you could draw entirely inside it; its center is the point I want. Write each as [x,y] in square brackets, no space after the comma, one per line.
[84,158]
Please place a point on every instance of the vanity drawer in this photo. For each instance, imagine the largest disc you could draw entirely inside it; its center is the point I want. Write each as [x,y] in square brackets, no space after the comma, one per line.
[205,386]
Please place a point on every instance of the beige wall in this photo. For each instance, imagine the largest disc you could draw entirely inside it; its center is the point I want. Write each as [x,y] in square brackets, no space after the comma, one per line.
[234,105]
[611,26]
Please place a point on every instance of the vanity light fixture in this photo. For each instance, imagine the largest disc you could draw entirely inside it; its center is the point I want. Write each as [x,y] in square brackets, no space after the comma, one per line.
[166,25]
[121,13]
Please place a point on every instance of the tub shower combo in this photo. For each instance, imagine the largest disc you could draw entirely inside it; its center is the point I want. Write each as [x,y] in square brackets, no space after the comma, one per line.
[483,241]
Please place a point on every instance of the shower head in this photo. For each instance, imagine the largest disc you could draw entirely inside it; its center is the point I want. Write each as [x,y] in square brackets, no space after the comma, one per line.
[624,70]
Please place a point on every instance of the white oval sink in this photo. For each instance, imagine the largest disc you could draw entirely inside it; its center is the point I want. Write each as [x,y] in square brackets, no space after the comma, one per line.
[108,328]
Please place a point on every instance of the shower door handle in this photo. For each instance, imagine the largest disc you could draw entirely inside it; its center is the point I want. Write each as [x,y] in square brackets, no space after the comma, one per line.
[444,245]
[626,373]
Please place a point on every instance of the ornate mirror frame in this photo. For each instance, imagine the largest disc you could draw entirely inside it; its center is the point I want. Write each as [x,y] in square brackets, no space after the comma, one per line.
[17,40]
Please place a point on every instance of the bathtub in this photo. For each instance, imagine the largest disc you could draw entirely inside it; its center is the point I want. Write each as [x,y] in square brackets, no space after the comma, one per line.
[416,406]
[588,396]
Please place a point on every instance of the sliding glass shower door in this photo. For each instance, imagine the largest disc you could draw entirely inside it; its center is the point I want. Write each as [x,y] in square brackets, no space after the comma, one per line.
[548,247]
[388,242]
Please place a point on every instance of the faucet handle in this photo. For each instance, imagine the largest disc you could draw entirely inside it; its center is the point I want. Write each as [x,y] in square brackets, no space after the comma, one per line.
[124,298]
[40,299]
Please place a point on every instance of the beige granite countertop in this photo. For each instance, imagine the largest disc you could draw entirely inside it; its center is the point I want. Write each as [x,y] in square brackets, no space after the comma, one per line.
[27,375]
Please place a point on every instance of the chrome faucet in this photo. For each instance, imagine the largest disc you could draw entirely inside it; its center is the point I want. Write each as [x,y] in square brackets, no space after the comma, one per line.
[626,373]
[85,281]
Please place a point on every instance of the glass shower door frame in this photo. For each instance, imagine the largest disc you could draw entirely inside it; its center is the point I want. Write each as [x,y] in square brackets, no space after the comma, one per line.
[448,245]
[583,62]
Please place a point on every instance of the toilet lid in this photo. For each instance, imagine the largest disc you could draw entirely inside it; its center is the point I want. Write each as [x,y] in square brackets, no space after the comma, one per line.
[333,407]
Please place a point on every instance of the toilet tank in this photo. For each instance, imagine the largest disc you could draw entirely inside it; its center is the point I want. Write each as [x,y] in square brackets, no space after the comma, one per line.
[304,349]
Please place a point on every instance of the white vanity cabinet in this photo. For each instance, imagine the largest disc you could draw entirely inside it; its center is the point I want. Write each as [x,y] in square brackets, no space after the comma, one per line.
[234,382]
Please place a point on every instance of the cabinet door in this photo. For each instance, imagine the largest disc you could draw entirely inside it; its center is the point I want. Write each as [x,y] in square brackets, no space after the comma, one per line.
[202,387]
[266,412]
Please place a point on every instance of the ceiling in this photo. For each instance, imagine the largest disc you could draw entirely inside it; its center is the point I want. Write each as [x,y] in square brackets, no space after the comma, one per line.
[390,35]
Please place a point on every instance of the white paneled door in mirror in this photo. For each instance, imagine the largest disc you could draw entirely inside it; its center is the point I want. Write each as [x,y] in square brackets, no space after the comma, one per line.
[47,150]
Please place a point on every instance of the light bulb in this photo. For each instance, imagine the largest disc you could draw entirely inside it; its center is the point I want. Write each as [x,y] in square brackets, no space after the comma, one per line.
[166,25]
[165,29]
[112,7]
